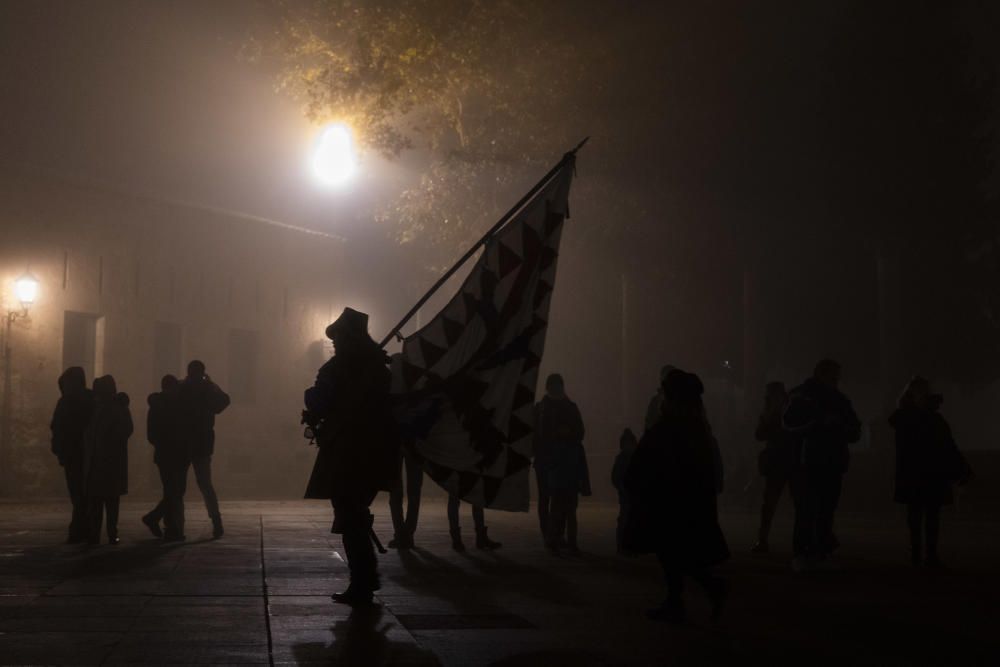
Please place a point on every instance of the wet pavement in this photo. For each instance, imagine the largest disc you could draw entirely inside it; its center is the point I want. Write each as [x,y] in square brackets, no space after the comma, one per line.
[260,595]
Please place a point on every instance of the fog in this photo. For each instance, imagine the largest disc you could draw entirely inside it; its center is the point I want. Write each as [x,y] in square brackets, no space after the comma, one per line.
[764,186]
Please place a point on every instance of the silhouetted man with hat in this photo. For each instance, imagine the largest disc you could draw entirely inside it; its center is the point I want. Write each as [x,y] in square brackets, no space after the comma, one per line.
[348,407]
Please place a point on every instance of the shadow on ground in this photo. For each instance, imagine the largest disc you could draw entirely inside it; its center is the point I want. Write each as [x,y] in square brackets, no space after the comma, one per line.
[363,638]
[425,572]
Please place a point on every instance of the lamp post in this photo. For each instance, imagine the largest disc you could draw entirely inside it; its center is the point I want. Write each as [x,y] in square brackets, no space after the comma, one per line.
[25,291]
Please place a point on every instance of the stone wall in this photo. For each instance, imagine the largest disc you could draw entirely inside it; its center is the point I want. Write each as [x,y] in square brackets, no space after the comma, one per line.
[227,283]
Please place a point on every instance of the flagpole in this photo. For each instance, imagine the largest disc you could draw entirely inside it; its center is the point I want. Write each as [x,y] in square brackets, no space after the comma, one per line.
[486,237]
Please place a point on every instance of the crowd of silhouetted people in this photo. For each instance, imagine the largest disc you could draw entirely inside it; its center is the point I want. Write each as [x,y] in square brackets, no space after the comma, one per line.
[668,479]
[807,433]
[90,432]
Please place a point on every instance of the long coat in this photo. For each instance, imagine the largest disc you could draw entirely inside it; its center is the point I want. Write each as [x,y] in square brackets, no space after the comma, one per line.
[671,484]
[105,466]
[558,445]
[69,425]
[927,460]
[358,440]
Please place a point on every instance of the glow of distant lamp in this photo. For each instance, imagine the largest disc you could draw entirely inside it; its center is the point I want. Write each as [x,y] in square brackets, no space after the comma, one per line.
[26,289]
[333,160]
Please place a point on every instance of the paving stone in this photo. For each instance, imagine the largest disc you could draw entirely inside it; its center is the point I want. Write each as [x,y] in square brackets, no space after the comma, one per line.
[56,648]
[501,621]
[182,652]
[203,602]
[82,623]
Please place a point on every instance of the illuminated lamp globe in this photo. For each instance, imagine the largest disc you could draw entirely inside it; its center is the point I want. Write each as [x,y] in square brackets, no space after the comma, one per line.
[26,290]
[334,162]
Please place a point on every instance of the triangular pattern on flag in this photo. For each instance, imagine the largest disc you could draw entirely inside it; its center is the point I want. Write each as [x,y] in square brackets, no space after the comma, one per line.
[464,384]
[531,361]
[491,490]
[471,302]
[531,244]
[516,463]
[452,330]
[542,290]
[431,352]
[411,374]
[517,429]
[507,259]
[522,396]
[553,221]
[466,481]
[549,255]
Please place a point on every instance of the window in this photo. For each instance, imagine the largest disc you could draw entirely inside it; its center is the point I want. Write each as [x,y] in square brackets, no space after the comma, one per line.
[166,351]
[83,342]
[243,349]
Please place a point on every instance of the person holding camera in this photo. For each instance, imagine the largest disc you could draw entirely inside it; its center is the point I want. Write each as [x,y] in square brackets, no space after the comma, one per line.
[200,401]
[928,463]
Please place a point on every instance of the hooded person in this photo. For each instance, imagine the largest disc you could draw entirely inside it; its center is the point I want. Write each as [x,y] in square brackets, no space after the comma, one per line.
[105,465]
[172,458]
[655,406]
[70,419]
[672,486]
[928,464]
[358,444]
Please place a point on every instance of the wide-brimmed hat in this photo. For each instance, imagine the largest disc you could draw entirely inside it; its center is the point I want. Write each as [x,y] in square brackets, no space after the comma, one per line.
[350,322]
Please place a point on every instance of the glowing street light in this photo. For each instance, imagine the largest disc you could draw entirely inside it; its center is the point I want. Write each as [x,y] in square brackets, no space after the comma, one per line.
[334,161]
[26,290]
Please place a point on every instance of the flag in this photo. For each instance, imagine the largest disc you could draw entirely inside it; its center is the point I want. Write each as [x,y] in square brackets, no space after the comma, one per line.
[464,384]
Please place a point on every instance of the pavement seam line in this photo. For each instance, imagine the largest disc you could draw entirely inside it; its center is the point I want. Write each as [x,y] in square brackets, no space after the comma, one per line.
[267,603]
[135,619]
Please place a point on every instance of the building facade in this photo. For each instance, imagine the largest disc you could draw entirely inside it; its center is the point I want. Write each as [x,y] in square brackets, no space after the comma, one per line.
[137,287]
